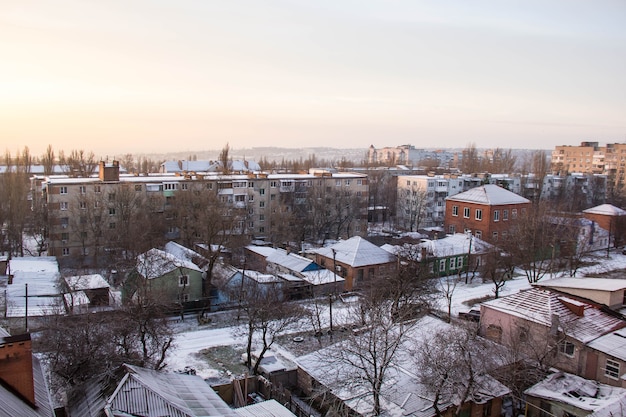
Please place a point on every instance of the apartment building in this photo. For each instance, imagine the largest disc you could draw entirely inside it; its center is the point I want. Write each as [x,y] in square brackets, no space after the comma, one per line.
[591,158]
[266,202]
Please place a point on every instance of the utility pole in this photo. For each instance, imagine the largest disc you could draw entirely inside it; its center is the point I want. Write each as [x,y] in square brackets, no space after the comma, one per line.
[26,310]
[330,294]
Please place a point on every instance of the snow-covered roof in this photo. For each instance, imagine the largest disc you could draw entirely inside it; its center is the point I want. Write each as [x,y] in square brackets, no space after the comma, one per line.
[183,252]
[260,277]
[596,284]
[156,263]
[489,194]
[606,209]
[321,276]
[291,261]
[86,282]
[539,305]
[402,393]
[451,245]
[357,252]
[600,400]
[42,275]
[264,251]
[613,344]
[269,408]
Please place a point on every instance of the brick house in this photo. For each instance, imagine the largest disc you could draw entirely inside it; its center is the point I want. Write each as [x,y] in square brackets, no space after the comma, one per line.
[611,219]
[357,261]
[580,334]
[487,212]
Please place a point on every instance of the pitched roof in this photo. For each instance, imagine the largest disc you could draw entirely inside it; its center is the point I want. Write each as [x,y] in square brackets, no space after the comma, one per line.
[540,305]
[357,252]
[12,405]
[86,282]
[606,209]
[613,344]
[42,275]
[156,263]
[489,194]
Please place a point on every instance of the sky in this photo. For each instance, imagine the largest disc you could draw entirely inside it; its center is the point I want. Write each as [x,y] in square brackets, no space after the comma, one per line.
[146,76]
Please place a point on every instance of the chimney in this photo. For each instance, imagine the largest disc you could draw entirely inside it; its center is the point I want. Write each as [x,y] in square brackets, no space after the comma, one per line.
[554,328]
[109,172]
[16,366]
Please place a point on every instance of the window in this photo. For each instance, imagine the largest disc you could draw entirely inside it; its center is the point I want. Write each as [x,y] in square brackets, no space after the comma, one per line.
[262,217]
[452,229]
[514,214]
[359,182]
[272,197]
[82,205]
[66,251]
[452,263]
[337,183]
[466,212]
[111,225]
[478,234]
[455,211]
[347,183]
[111,196]
[65,221]
[184,186]
[240,198]
[63,190]
[65,237]
[612,369]
[250,184]
[184,298]
[262,191]
[111,211]
[183,280]
[566,348]
[459,262]
[496,215]
[209,186]
[96,188]
[273,184]
[96,203]
[479,214]
[170,186]
[442,265]
[505,215]
[494,236]
[82,189]
[251,197]
[64,205]
[137,187]
[261,204]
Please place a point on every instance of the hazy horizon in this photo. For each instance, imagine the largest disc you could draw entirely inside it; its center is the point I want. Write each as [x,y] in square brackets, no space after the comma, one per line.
[161,77]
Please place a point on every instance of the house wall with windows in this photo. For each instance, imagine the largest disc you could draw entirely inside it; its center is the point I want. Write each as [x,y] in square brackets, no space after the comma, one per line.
[486,212]
[264,200]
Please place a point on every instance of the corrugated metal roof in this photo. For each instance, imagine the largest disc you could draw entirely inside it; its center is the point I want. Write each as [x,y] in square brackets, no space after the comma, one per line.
[12,406]
[269,408]
[154,394]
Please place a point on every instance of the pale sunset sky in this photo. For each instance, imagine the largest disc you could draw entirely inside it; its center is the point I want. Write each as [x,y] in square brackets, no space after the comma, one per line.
[116,76]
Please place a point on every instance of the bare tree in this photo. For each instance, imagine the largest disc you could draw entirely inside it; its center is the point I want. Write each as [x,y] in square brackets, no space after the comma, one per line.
[48,160]
[470,162]
[78,163]
[266,313]
[497,268]
[366,355]
[224,158]
[412,207]
[447,286]
[453,364]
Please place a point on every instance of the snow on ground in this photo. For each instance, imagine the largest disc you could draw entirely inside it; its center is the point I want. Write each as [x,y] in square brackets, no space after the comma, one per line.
[191,338]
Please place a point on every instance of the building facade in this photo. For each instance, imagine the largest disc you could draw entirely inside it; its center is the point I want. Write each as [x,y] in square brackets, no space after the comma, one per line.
[85,214]
[487,212]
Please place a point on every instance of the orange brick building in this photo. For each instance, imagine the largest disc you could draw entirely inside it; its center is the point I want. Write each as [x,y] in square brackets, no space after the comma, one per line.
[487,212]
